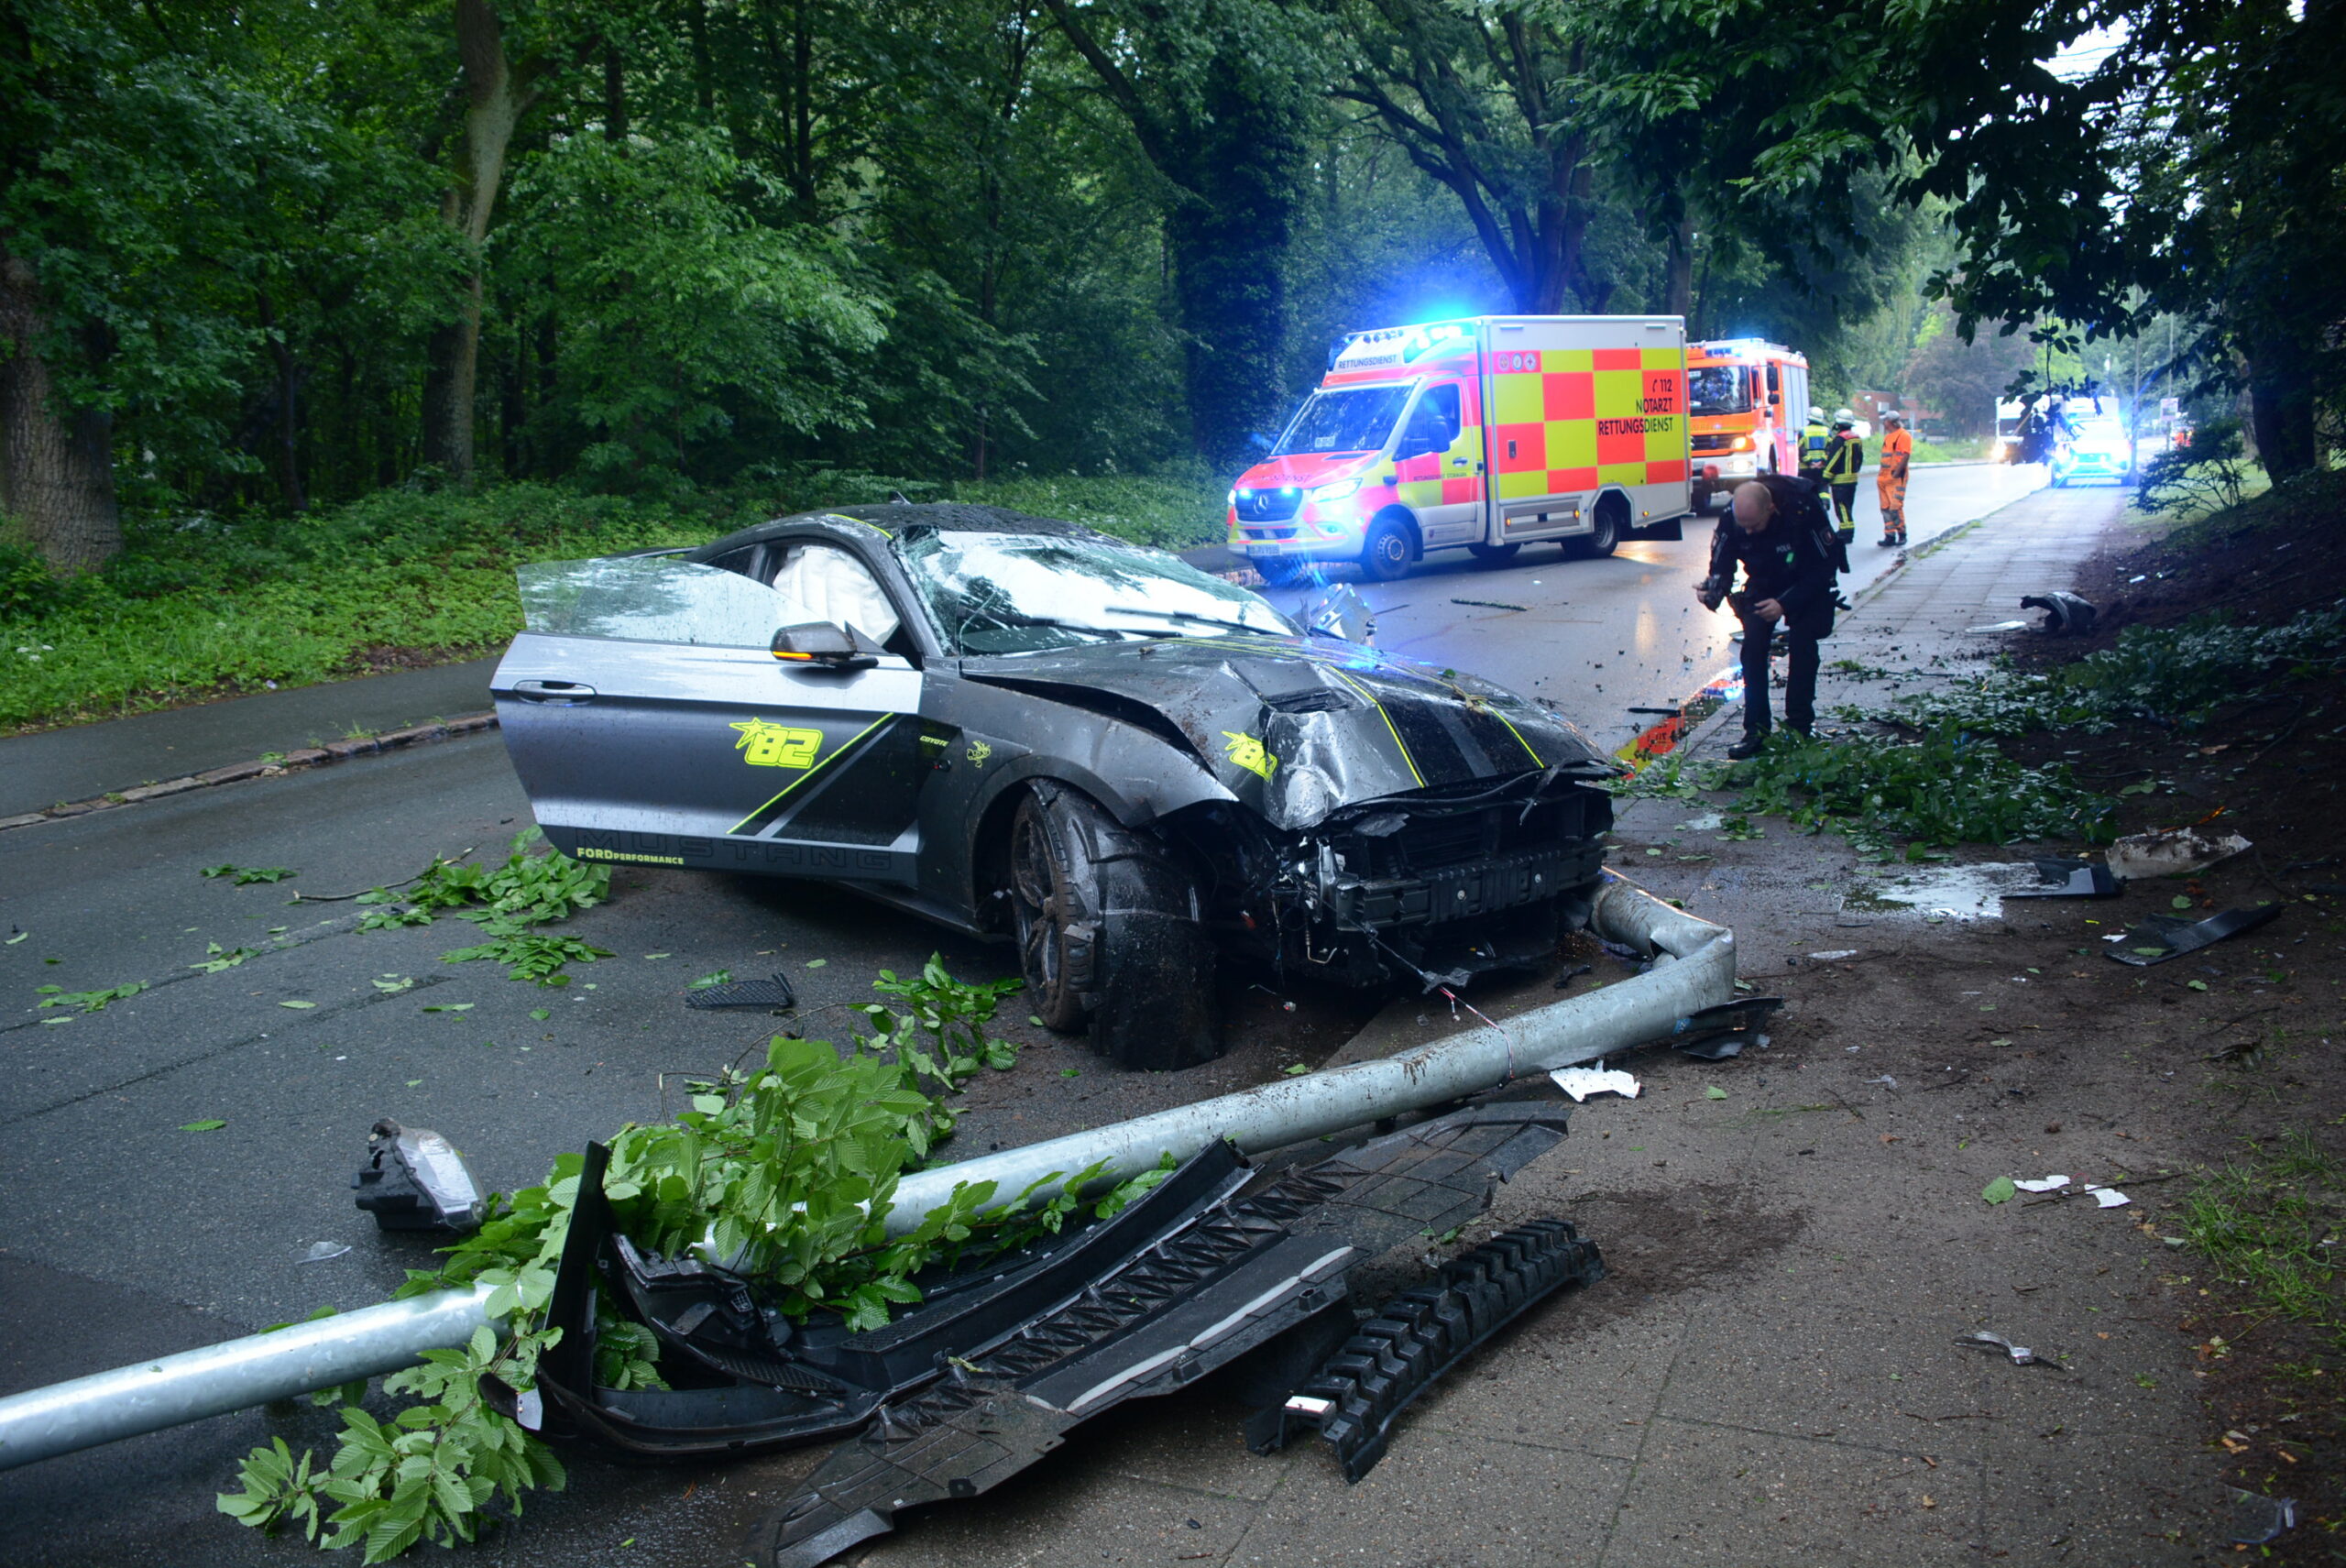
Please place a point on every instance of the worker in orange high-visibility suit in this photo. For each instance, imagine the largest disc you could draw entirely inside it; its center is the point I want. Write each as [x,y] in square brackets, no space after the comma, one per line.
[1889,479]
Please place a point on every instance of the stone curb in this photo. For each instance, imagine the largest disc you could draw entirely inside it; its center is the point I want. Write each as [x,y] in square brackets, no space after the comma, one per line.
[235,773]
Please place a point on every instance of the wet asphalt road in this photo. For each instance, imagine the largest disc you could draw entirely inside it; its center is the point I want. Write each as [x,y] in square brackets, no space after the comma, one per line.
[1600,638]
[123,1236]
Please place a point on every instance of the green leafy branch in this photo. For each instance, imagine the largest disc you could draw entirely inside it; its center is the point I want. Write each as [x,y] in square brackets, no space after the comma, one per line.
[784,1176]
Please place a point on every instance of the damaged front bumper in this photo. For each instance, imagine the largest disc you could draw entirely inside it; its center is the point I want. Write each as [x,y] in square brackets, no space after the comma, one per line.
[1436,882]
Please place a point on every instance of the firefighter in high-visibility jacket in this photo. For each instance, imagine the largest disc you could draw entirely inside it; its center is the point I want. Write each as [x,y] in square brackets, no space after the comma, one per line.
[1889,479]
[1843,463]
[1816,446]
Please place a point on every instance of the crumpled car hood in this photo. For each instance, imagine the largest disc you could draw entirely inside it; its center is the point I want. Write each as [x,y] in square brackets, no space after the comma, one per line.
[1299,728]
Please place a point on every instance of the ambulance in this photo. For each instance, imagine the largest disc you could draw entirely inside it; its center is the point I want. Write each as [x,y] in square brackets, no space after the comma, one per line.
[1486,434]
[1746,401]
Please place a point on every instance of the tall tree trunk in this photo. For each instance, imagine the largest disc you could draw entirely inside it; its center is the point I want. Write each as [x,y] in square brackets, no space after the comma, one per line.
[496,97]
[286,447]
[1680,301]
[614,95]
[2281,406]
[56,463]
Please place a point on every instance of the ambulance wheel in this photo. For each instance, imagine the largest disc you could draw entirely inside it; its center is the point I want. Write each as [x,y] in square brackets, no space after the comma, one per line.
[1386,554]
[1495,554]
[1604,536]
[1281,573]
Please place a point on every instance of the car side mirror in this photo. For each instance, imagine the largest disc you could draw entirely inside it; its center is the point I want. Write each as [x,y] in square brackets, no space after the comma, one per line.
[823,643]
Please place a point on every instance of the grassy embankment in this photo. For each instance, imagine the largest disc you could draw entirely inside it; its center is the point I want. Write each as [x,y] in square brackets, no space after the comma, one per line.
[197,607]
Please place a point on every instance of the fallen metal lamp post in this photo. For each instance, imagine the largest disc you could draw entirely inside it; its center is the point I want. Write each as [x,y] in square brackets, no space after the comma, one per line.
[1694,968]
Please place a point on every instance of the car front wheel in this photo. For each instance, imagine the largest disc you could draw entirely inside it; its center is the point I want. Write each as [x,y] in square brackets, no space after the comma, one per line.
[1108,931]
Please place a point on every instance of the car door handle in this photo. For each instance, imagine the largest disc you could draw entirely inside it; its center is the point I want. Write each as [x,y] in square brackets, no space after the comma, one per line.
[1460,462]
[561,693]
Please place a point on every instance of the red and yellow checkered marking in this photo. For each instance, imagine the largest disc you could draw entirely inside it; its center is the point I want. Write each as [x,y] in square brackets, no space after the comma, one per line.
[1571,419]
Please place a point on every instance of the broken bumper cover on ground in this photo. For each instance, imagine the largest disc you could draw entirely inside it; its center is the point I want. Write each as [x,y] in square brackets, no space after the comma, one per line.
[1215,1278]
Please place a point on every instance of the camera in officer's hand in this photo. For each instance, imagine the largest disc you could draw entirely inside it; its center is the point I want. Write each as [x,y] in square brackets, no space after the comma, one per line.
[1712,591]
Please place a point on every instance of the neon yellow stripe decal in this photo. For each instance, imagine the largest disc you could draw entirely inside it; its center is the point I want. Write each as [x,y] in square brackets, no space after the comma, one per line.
[847,745]
[1536,760]
[1398,744]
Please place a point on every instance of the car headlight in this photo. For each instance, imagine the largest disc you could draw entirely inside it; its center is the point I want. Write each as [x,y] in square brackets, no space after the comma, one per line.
[1342,490]
[1742,443]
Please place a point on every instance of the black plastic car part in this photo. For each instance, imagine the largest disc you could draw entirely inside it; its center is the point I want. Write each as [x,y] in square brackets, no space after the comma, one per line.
[1717,1032]
[425,1186]
[1419,1335]
[1250,1276]
[1002,1358]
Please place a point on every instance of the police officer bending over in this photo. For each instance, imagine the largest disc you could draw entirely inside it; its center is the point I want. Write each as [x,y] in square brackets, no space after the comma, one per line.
[1778,534]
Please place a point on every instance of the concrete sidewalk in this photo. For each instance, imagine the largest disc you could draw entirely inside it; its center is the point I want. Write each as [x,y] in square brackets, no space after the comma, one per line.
[1771,1373]
[42,770]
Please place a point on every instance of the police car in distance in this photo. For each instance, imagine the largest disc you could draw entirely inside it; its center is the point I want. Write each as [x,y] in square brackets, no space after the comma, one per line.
[1022,728]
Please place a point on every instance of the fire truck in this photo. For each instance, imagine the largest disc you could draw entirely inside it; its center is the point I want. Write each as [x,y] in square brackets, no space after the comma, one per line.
[1486,434]
[1745,400]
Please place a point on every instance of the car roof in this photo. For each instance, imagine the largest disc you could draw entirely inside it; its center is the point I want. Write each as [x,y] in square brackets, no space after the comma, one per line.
[896,518]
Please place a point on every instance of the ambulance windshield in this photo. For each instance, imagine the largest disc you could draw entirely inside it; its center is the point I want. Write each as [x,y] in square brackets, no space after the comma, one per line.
[1347,419]
[1719,389]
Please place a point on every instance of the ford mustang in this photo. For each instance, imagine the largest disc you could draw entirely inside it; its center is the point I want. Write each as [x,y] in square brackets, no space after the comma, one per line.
[1024,729]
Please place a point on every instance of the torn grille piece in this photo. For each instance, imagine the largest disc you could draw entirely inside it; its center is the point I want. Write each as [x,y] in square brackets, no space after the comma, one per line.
[774,993]
[1422,1334]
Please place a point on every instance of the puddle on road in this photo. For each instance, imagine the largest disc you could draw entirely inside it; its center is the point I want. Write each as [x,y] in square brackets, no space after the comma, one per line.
[1941,892]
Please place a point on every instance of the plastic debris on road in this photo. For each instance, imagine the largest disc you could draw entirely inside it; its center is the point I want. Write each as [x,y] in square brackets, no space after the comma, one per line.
[1828,955]
[2065,615]
[1580,1082]
[2177,852]
[2163,937]
[769,995]
[323,1252]
[2071,879]
[2260,1521]
[425,1186]
[2019,1353]
[2048,1184]
[2108,1197]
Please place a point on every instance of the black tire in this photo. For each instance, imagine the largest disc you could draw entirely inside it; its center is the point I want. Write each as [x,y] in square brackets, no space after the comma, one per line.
[1106,921]
[1611,521]
[1494,555]
[1282,572]
[1386,554]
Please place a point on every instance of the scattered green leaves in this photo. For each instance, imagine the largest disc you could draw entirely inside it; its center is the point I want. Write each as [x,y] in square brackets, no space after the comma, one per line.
[88,1001]
[529,956]
[223,958]
[1714,1093]
[211,1125]
[1999,1191]
[714,978]
[245,876]
[299,1004]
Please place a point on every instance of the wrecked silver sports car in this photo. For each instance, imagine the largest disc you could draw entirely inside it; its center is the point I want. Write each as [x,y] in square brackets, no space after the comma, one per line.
[1017,726]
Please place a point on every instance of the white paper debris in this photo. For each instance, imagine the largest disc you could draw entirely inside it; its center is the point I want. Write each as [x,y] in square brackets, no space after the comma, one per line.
[1885,1080]
[2177,852]
[1836,953]
[1580,1082]
[2047,1184]
[2109,1197]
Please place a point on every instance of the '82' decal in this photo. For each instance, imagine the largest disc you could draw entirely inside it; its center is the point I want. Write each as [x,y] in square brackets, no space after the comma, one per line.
[1517,363]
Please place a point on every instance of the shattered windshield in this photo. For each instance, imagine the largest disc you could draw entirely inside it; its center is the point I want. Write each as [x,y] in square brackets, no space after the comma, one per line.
[1719,389]
[1021,593]
[1354,419]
